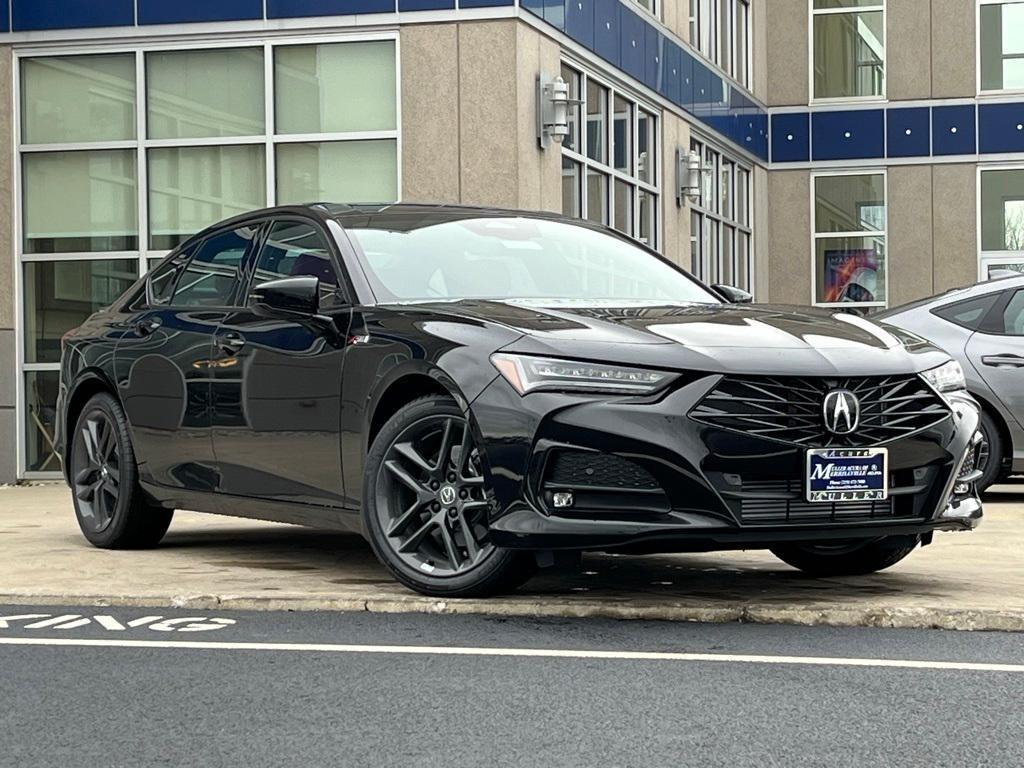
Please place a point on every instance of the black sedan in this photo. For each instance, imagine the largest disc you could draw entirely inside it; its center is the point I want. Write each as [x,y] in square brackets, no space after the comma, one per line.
[481,392]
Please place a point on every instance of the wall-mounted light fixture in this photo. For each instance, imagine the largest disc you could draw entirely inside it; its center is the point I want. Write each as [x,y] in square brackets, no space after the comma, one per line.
[689,176]
[552,110]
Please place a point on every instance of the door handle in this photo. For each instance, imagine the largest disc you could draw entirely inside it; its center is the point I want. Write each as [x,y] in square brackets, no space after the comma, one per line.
[147,326]
[230,343]
[1004,361]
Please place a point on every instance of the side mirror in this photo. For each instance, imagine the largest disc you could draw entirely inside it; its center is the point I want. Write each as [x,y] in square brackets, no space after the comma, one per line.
[733,295]
[289,297]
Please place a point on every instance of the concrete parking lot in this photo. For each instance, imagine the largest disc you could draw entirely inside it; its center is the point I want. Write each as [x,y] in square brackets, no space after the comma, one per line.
[962,581]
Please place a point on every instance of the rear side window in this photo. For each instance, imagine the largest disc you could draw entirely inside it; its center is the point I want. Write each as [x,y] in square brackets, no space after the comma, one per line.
[296,249]
[212,276]
[969,313]
[1013,315]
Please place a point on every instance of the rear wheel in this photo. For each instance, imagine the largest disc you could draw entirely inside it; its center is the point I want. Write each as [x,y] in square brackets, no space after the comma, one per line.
[849,558]
[426,505]
[990,452]
[110,506]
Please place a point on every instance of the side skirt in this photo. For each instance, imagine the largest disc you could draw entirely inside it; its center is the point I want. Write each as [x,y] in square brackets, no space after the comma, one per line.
[339,519]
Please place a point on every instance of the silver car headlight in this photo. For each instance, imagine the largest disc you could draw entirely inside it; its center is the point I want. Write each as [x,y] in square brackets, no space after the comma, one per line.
[948,377]
[530,374]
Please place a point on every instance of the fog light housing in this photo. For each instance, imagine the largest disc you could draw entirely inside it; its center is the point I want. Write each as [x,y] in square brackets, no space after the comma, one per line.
[562,499]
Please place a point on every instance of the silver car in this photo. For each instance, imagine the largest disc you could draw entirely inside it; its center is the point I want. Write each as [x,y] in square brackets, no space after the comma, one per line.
[983,328]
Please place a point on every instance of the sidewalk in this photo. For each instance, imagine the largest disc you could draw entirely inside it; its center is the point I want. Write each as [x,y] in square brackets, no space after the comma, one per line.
[962,581]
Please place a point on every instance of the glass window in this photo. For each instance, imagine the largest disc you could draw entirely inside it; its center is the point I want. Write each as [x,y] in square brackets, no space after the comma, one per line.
[1002,210]
[969,313]
[853,203]
[1002,47]
[80,201]
[40,419]
[515,258]
[339,172]
[849,53]
[849,268]
[597,197]
[333,88]
[60,295]
[204,94]
[646,147]
[570,188]
[572,78]
[67,99]
[295,249]
[191,188]
[597,120]
[1013,315]
[211,277]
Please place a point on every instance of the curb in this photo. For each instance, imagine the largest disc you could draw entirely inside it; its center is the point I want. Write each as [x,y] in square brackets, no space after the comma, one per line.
[980,619]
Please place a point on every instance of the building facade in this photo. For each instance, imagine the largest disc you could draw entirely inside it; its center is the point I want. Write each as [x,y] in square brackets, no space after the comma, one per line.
[853,152]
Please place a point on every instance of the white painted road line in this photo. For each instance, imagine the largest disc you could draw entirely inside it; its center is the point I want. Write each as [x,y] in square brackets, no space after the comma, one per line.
[548,653]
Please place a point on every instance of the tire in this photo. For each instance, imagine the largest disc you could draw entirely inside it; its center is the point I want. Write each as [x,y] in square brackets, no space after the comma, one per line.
[846,558]
[991,452]
[111,508]
[424,490]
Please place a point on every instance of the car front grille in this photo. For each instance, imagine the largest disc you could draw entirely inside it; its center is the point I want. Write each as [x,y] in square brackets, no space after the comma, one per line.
[780,502]
[789,408]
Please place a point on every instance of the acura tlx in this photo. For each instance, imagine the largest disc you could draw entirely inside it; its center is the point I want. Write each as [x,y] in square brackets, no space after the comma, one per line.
[480,392]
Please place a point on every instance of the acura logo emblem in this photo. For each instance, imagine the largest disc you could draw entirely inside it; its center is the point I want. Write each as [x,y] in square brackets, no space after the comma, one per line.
[841,410]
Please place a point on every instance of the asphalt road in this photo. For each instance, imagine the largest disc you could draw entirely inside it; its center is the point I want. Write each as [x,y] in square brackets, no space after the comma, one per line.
[131,686]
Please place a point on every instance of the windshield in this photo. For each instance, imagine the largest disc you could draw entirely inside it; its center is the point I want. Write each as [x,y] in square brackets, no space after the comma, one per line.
[518,258]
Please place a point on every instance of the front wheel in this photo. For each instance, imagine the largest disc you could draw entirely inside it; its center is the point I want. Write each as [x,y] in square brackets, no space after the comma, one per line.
[854,558]
[990,452]
[426,504]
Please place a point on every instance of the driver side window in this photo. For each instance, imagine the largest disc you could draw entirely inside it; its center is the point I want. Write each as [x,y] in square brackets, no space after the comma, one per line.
[296,249]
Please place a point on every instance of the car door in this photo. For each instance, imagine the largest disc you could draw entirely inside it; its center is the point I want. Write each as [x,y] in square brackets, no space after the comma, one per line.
[997,352]
[163,361]
[277,380]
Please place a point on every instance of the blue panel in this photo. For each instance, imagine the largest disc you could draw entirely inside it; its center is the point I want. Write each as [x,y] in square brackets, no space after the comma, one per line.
[606,29]
[908,133]
[744,115]
[1001,127]
[760,142]
[285,9]
[953,130]
[701,89]
[686,83]
[653,56]
[444,5]
[631,42]
[536,7]
[67,14]
[579,21]
[554,13]
[671,72]
[484,3]
[184,11]
[848,135]
[5,21]
[791,134]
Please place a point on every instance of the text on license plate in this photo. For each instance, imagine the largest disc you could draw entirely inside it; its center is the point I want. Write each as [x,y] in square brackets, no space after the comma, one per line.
[847,474]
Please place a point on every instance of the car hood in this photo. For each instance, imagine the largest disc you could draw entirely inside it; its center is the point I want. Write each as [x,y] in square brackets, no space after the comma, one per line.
[720,337]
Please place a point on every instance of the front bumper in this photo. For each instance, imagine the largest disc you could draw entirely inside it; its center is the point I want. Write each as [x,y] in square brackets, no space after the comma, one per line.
[695,487]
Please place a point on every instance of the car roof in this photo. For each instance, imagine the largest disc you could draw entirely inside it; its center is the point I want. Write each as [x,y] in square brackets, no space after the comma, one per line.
[956,294]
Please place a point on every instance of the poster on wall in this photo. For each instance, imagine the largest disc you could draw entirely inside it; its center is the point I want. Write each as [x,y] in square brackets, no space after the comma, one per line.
[851,274]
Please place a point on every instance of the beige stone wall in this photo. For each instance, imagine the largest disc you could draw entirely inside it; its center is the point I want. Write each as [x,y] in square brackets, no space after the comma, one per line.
[908,30]
[953,51]
[759,46]
[910,242]
[954,225]
[675,133]
[786,52]
[8,371]
[789,238]
[468,123]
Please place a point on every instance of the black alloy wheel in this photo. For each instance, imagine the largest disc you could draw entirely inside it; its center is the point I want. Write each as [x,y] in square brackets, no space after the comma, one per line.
[427,505]
[111,508]
[430,497]
[96,470]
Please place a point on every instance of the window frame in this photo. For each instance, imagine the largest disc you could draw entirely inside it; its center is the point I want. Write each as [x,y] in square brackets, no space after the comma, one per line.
[712,50]
[654,11]
[721,219]
[815,235]
[812,14]
[145,256]
[607,169]
[977,51]
[992,259]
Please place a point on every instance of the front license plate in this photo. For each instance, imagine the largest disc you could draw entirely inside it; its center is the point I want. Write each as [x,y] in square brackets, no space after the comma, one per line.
[847,474]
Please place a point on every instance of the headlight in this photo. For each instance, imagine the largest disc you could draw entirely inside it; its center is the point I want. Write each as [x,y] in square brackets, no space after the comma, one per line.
[529,374]
[948,377]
